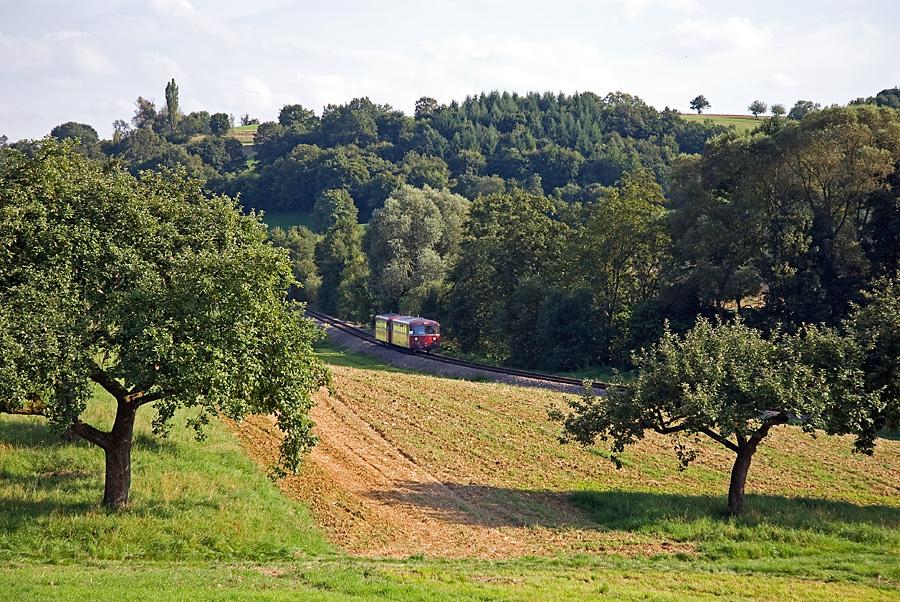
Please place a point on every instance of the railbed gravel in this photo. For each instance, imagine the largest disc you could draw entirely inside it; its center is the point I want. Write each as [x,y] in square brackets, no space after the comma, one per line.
[423,364]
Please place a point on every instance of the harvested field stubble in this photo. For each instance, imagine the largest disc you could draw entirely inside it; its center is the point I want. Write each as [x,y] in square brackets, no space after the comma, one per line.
[411,464]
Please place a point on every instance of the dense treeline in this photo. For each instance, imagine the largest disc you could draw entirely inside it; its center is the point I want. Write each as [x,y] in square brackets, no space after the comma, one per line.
[554,231]
[546,144]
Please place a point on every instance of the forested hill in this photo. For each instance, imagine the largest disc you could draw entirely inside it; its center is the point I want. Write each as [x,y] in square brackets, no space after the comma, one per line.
[544,143]
[556,231]
[551,144]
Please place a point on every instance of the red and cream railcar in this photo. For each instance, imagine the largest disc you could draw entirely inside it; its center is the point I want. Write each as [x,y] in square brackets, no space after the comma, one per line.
[408,332]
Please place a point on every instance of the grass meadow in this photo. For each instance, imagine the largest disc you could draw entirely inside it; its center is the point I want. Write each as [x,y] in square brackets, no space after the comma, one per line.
[205,523]
[244,133]
[739,121]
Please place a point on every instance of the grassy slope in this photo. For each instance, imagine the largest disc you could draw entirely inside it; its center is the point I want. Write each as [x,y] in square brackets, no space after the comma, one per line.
[189,501]
[810,498]
[244,133]
[205,524]
[738,121]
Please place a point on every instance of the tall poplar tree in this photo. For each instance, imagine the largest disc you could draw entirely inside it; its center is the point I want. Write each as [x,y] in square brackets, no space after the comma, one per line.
[172,104]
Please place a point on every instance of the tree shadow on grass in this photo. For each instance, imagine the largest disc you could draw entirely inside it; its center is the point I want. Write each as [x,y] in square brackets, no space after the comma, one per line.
[492,507]
[45,488]
[27,431]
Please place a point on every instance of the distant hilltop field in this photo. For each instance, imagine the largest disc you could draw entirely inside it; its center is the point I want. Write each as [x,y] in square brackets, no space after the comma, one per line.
[245,133]
[739,121]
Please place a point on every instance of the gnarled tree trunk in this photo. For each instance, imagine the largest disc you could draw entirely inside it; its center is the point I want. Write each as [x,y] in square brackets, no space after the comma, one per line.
[736,499]
[116,444]
[118,458]
[746,447]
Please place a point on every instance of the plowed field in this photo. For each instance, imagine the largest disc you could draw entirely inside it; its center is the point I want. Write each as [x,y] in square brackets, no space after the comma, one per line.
[413,464]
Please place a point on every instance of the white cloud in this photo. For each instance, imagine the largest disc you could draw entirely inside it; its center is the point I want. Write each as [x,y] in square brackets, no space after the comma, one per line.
[61,82]
[256,92]
[511,62]
[21,54]
[634,8]
[182,11]
[325,89]
[683,5]
[782,80]
[91,60]
[69,51]
[736,34]
[66,34]
[238,56]
[160,68]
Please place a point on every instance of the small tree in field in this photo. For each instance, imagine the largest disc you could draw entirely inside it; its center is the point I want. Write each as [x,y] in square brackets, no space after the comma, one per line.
[757,108]
[700,103]
[156,292]
[724,382]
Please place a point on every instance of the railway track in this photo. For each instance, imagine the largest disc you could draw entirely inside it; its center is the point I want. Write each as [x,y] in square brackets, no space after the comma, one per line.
[444,359]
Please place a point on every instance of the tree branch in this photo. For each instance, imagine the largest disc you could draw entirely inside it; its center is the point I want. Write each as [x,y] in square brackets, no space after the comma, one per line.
[768,423]
[719,439]
[144,398]
[113,386]
[89,433]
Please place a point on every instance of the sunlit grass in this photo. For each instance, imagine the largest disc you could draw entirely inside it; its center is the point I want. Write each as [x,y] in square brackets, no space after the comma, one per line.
[572,579]
[815,507]
[204,522]
[188,500]
[740,122]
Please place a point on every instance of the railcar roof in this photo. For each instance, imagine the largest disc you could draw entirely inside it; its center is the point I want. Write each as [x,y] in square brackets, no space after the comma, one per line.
[387,316]
[415,321]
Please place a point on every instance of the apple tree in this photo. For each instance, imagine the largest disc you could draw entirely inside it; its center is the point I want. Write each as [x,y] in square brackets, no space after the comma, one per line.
[727,383]
[162,295]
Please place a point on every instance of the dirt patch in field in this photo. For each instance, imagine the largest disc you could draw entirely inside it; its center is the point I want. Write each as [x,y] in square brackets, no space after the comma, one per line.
[376,494]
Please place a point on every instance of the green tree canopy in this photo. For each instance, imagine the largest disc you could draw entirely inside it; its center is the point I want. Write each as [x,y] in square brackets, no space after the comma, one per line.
[161,295]
[757,108]
[875,326]
[172,109]
[297,118]
[145,115]
[618,254]
[412,241]
[220,123]
[338,255]
[87,137]
[798,202]
[699,103]
[801,108]
[508,238]
[725,382]
[331,206]
[301,244]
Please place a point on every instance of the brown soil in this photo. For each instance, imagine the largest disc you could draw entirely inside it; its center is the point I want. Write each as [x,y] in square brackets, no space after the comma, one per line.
[374,498]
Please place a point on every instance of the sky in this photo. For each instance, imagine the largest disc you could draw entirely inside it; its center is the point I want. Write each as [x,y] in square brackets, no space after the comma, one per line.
[89,60]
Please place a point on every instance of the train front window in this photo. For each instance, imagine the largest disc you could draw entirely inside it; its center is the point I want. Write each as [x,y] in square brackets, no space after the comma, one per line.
[431,330]
[418,330]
